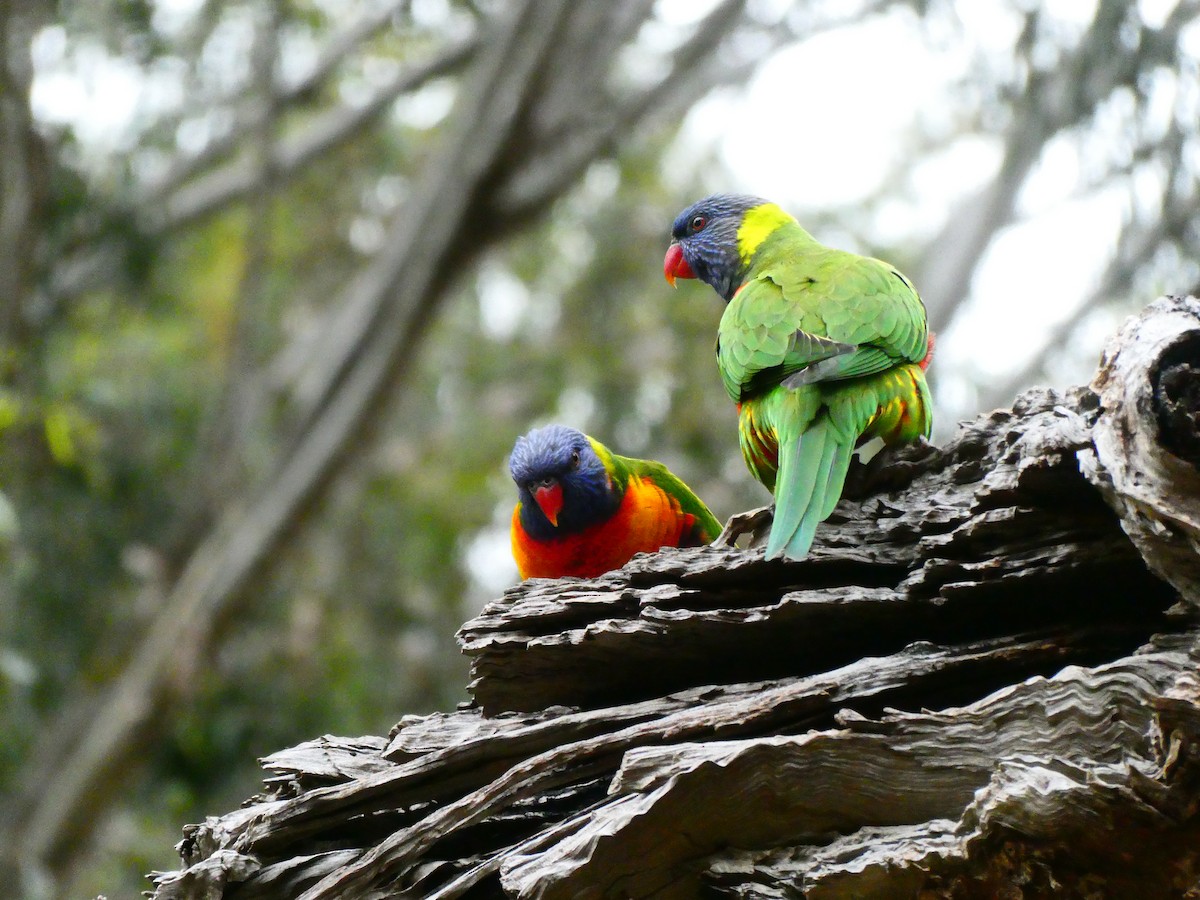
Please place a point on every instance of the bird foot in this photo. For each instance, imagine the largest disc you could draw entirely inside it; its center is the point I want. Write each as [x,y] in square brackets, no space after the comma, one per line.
[754,522]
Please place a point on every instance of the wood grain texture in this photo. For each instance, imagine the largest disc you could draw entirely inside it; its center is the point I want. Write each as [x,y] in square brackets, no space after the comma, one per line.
[983,682]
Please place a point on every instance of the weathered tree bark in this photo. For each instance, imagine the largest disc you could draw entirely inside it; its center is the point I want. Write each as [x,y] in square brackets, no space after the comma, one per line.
[982,682]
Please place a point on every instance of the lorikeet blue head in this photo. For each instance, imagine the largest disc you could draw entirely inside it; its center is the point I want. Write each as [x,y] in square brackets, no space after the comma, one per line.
[704,242]
[563,484]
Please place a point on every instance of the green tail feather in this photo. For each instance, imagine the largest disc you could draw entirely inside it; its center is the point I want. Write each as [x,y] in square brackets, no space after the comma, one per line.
[837,477]
[812,471]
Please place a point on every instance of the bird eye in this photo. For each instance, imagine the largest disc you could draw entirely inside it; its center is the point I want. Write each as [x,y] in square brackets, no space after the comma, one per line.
[698,223]
[575,460]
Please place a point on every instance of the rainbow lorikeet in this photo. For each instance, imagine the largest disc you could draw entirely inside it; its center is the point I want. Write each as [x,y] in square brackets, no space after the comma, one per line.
[583,510]
[820,349]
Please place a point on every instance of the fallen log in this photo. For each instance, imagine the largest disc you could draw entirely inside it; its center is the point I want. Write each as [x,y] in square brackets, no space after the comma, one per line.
[982,682]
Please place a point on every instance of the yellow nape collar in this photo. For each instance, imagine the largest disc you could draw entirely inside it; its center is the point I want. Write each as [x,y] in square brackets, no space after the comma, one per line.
[757,225]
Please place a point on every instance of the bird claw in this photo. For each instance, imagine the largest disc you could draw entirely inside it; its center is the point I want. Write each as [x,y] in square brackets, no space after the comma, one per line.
[754,522]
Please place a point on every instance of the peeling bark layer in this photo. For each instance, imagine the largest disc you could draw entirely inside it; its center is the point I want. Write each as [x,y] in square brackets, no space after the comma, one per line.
[982,682]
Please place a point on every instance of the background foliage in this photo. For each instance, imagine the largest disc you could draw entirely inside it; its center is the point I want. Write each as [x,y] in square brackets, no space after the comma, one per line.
[197,196]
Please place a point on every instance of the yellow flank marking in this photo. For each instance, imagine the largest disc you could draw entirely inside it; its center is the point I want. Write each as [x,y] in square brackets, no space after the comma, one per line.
[757,225]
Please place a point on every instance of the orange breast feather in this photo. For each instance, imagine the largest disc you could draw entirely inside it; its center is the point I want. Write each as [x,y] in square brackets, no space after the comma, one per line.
[646,520]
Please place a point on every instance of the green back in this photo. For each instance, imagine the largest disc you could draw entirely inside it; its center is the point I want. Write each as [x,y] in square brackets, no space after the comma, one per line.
[805,306]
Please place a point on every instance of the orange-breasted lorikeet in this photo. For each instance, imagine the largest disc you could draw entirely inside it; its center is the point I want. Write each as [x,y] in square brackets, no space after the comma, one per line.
[821,350]
[582,510]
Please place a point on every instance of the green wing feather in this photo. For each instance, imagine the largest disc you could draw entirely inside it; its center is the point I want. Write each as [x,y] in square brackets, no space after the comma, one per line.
[805,305]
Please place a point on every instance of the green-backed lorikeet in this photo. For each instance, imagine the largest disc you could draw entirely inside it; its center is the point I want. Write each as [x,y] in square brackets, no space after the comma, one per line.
[583,510]
[820,349]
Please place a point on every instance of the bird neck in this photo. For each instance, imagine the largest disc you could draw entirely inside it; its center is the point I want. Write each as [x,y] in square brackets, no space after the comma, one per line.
[783,242]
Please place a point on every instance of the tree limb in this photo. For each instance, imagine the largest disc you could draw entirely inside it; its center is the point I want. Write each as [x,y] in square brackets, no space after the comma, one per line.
[975,678]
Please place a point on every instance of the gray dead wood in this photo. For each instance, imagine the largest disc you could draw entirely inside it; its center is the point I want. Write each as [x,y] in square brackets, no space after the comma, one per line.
[982,682]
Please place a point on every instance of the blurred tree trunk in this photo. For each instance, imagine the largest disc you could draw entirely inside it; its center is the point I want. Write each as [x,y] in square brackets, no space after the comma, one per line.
[982,682]
[24,172]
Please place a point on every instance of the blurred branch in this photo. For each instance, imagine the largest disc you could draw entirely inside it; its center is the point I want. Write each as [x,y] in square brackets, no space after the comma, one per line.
[565,158]
[23,168]
[1053,101]
[1135,245]
[219,188]
[248,116]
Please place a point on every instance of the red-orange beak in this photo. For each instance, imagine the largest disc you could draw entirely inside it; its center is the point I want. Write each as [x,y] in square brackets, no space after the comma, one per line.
[550,500]
[675,266]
